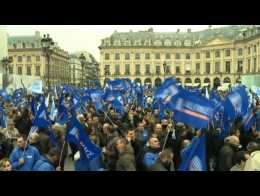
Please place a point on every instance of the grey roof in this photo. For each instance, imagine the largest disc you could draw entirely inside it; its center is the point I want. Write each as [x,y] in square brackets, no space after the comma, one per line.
[23,39]
[228,32]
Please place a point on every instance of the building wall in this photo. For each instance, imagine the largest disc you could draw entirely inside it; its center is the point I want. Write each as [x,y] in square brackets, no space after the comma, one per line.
[33,63]
[3,49]
[216,44]
[76,70]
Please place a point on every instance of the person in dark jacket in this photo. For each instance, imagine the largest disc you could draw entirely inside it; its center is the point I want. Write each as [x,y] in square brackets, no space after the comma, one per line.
[24,156]
[135,143]
[165,162]
[151,153]
[23,122]
[126,159]
[227,153]
[48,162]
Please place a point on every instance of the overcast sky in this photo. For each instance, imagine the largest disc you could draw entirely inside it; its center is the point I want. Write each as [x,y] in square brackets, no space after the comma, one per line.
[88,37]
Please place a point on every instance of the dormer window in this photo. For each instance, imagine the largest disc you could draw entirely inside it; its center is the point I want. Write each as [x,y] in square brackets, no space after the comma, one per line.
[167,42]
[158,43]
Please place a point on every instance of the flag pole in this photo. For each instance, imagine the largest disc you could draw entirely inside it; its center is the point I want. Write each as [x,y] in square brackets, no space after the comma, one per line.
[63,146]
[166,138]
[27,140]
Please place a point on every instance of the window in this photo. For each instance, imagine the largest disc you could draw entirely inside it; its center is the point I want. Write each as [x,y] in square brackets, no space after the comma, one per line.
[28,72]
[117,56]
[254,48]
[15,46]
[11,71]
[207,54]
[217,54]
[137,56]
[187,56]
[240,52]
[157,56]
[178,71]
[29,59]
[137,69]
[38,71]
[127,69]
[107,56]
[20,58]
[217,67]
[33,46]
[38,58]
[240,66]
[24,46]
[158,69]
[187,69]
[227,66]
[127,56]
[20,70]
[207,68]
[197,55]
[255,65]
[168,56]
[197,68]
[147,56]
[248,50]
[177,56]
[107,70]
[227,53]
[117,70]
[168,69]
[249,65]
[147,69]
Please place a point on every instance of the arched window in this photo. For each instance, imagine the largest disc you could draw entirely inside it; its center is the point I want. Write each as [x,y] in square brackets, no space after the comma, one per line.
[227,80]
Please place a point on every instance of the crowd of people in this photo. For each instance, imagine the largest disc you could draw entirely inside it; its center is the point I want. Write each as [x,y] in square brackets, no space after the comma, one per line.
[138,141]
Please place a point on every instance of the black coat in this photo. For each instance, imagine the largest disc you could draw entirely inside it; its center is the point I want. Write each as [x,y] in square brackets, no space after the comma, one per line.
[226,158]
[126,161]
[23,125]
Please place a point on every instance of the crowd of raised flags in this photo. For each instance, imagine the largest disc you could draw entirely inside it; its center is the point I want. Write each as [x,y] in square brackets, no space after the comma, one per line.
[198,108]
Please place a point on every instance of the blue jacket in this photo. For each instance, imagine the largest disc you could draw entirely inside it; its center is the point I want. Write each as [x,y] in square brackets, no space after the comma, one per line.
[31,155]
[150,158]
[43,164]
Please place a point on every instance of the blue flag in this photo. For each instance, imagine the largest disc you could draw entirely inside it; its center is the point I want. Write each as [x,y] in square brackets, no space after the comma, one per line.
[167,90]
[41,119]
[33,106]
[63,115]
[196,111]
[77,135]
[195,156]
[5,95]
[249,120]
[3,118]
[119,85]
[96,97]
[54,111]
[236,103]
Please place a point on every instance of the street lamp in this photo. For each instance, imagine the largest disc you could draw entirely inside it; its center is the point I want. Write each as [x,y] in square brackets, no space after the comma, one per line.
[82,59]
[47,43]
[5,62]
